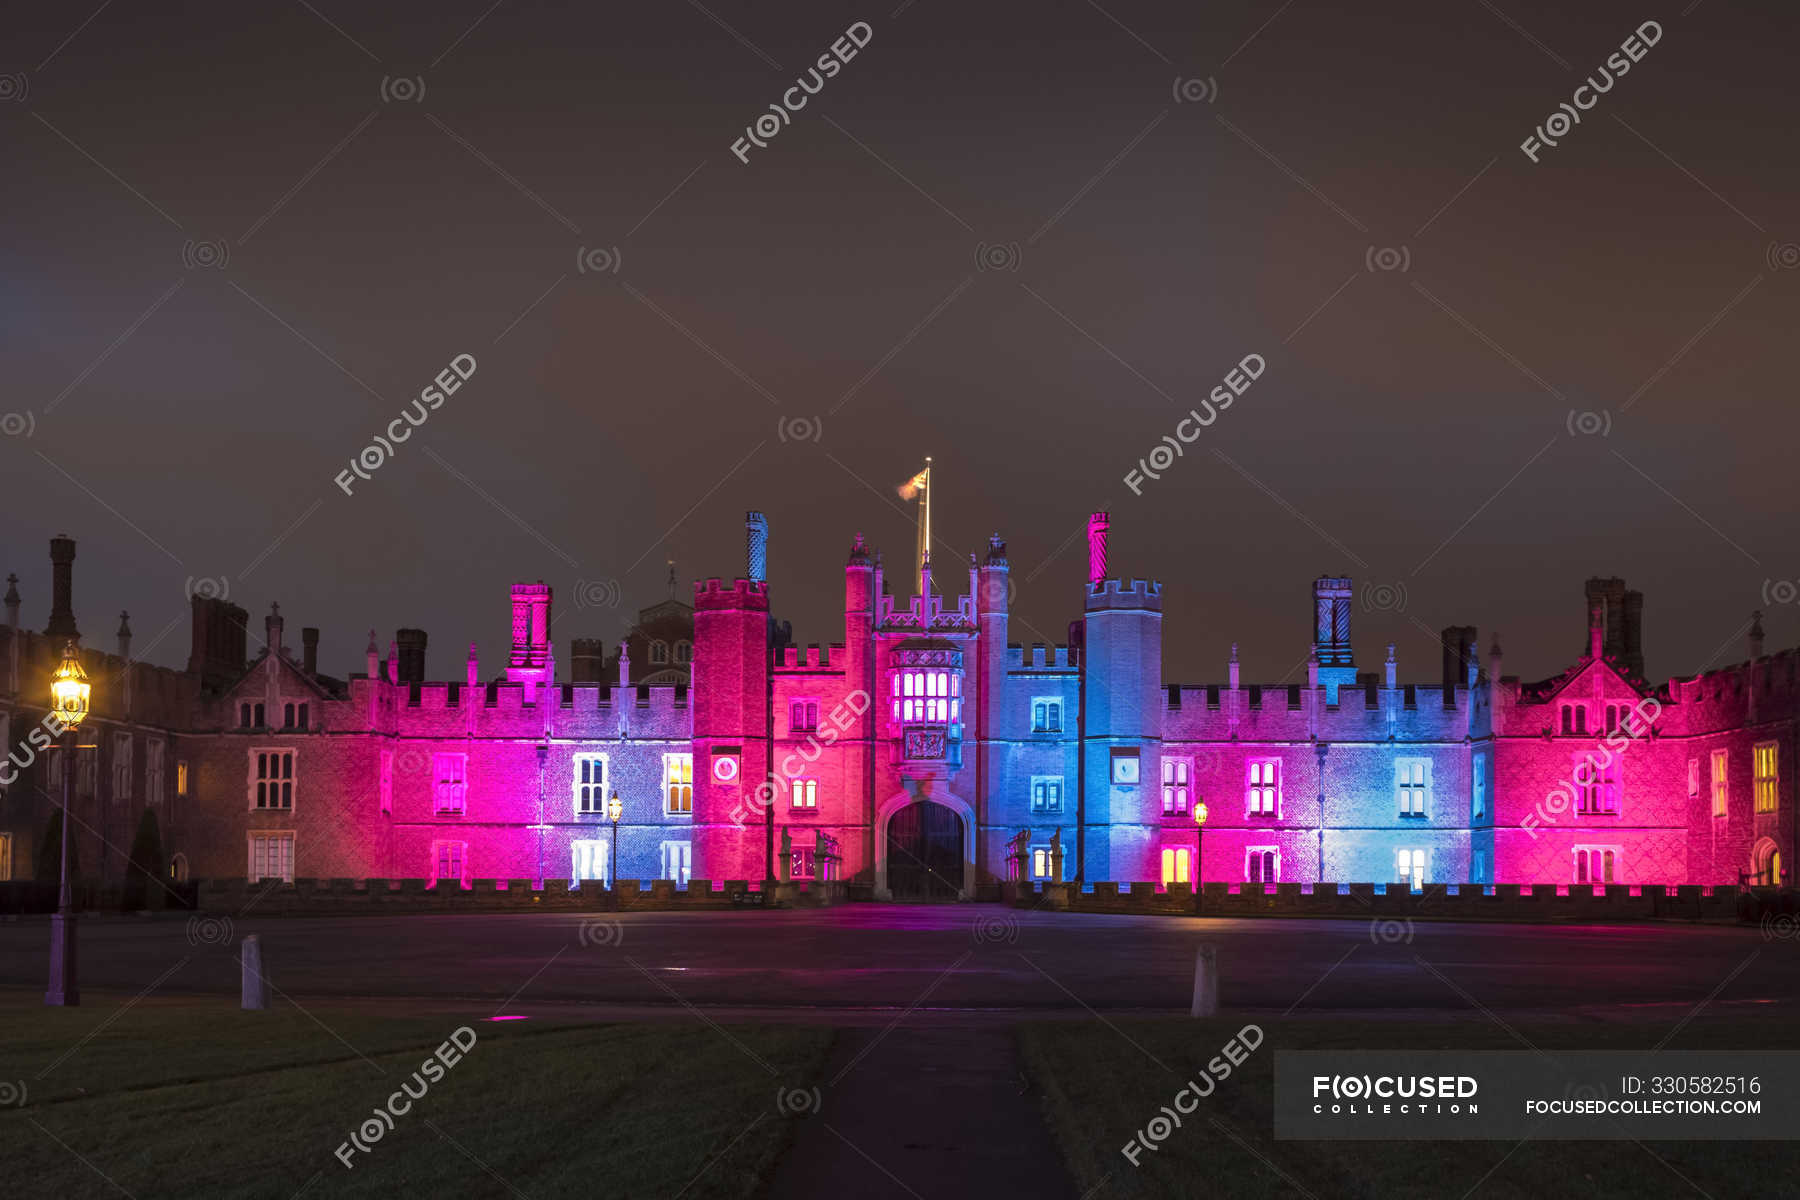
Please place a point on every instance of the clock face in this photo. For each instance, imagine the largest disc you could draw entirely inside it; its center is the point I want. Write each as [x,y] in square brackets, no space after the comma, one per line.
[725,768]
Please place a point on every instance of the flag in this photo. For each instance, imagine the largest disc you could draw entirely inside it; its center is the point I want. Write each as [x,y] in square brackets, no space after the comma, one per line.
[918,483]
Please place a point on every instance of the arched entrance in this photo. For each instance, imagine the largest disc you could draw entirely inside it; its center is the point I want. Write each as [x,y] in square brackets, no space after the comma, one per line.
[925,852]
[1765,864]
[924,845]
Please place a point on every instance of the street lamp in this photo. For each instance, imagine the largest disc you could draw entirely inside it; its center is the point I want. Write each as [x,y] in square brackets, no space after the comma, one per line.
[614,809]
[1199,855]
[69,693]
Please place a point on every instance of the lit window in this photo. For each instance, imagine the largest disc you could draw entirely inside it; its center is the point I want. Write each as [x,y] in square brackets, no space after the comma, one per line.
[806,793]
[1046,793]
[449,783]
[1043,863]
[1412,785]
[1596,864]
[1720,791]
[590,783]
[1596,786]
[678,783]
[181,777]
[1174,786]
[272,857]
[1409,866]
[1766,781]
[1046,716]
[5,857]
[677,862]
[272,779]
[587,861]
[1263,787]
[803,716]
[1262,864]
[1176,861]
[449,861]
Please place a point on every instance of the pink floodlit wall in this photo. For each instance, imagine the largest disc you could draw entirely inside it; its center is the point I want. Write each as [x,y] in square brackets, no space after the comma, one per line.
[1595,776]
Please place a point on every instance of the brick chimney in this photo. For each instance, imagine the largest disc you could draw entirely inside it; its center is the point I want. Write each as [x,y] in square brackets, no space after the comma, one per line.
[411,643]
[1099,528]
[272,627]
[12,601]
[125,636]
[62,611]
[586,660]
[309,649]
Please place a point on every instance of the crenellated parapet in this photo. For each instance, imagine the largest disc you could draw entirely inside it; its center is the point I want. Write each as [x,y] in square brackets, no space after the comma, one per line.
[1119,594]
[718,595]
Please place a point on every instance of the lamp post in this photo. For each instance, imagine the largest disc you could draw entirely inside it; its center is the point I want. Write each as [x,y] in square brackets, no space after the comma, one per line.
[615,809]
[69,693]
[1199,856]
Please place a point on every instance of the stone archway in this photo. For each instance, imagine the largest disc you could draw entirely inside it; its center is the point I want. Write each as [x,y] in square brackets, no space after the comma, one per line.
[913,794]
[1765,864]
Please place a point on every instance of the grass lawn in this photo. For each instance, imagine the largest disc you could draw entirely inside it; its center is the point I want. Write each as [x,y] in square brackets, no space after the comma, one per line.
[194,1097]
[1098,1090]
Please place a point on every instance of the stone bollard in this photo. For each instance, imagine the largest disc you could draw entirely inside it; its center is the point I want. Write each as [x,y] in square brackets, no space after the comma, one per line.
[256,982]
[1206,981]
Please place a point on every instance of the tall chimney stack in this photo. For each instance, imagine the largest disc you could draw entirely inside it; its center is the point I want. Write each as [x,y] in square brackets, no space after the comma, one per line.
[309,649]
[12,601]
[587,657]
[62,587]
[756,547]
[272,626]
[1756,635]
[1098,527]
[125,636]
[412,655]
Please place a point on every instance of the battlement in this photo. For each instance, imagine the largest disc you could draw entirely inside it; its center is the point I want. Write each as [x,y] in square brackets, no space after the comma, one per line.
[813,657]
[1040,658]
[1124,593]
[718,595]
[503,698]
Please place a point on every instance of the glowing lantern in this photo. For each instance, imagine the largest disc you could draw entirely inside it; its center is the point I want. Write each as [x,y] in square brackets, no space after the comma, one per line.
[69,690]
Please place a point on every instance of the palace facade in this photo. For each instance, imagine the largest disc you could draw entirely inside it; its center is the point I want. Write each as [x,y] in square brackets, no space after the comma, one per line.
[923,754]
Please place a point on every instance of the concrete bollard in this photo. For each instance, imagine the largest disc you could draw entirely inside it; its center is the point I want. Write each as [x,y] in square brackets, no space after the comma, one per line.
[1206,981]
[256,982]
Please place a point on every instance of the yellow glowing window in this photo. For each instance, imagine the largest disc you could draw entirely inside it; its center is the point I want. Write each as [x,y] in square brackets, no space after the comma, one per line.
[1766,785]
[1175,865]
[678,781]
[1720,791]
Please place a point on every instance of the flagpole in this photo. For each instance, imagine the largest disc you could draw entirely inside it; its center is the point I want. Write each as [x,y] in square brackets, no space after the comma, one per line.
[925,549]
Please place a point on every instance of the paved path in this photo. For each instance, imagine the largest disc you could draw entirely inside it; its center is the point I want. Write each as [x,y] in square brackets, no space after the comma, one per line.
[923,1112]
[950,957]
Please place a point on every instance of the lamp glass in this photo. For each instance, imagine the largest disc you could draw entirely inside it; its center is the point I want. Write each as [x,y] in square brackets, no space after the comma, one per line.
[615,808]
[1200,814]
[69,690]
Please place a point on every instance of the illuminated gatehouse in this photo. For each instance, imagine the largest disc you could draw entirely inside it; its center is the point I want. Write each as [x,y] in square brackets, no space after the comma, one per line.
[911,756]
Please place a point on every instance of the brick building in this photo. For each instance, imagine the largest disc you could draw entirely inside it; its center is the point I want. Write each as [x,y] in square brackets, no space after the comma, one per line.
[922,754]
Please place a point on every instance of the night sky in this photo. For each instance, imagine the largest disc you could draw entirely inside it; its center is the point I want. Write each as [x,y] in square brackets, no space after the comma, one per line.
[239,239]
